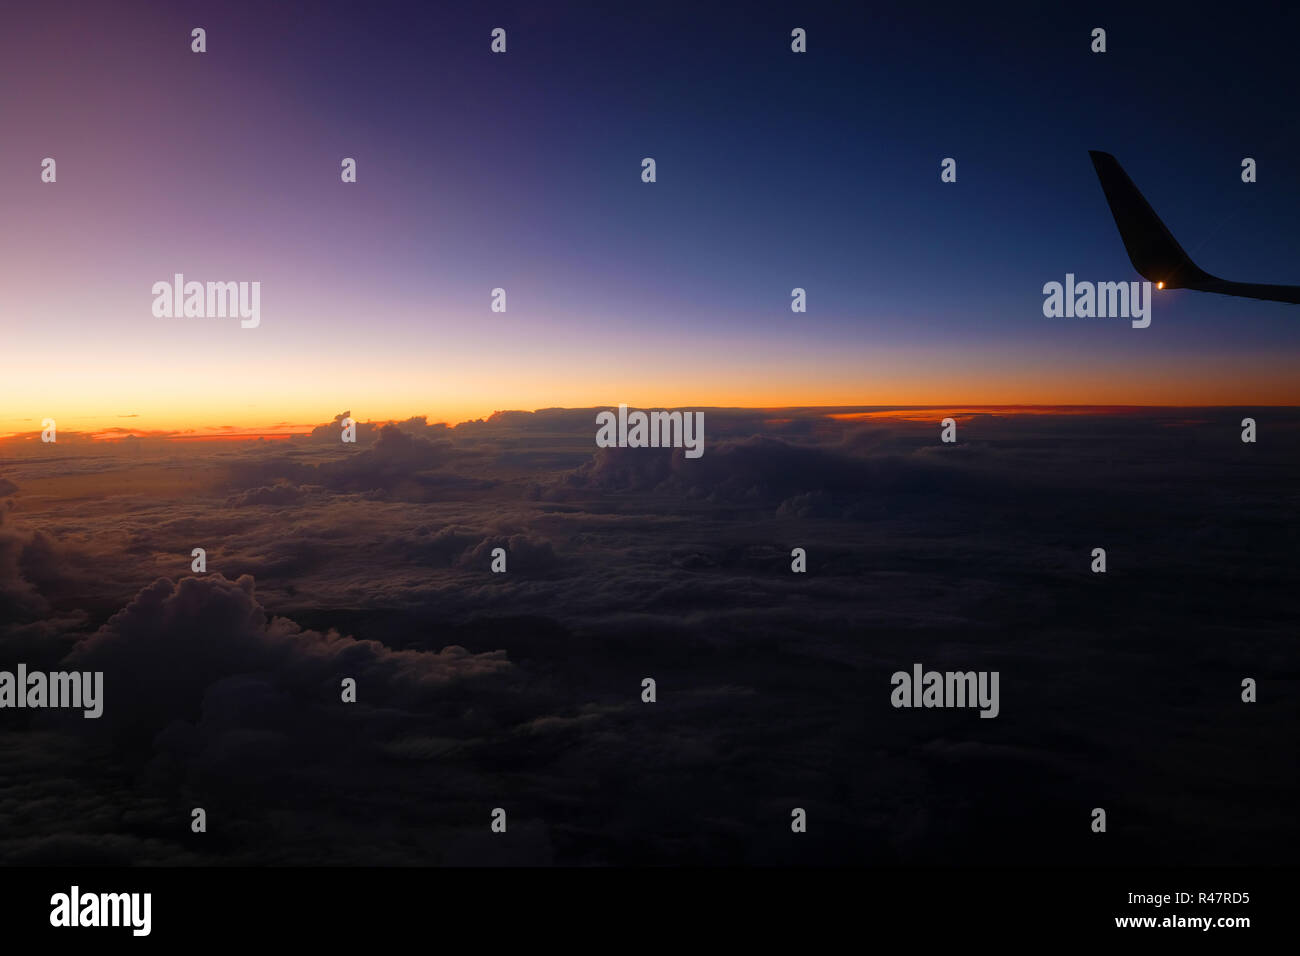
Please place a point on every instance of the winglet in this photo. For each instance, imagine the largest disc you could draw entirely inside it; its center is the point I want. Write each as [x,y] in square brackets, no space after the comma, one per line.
[1152,249]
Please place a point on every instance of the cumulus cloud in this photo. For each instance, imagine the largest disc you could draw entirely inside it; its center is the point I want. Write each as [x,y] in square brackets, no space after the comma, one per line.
[799,480]
[396,463]
[281,493]
[523,689]
[526,552]
[180,637]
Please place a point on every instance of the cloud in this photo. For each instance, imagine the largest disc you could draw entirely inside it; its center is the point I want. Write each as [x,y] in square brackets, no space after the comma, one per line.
[281,493]
[525,552]
[799,480]
[396,464]
[523,689]
[181,637]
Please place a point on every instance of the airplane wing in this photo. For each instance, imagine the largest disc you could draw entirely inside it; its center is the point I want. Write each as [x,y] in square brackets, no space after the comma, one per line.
[1153,250]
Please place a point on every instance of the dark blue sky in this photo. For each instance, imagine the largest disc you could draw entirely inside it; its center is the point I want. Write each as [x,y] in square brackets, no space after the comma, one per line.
[824,167]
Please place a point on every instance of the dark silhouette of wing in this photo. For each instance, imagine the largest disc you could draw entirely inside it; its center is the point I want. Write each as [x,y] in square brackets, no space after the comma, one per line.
[1153,250]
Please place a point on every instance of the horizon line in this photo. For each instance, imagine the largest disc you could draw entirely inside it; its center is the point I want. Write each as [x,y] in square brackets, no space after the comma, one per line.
[284,431]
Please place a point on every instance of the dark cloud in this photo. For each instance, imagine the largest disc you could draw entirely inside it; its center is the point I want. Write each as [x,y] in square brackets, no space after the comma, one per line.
[798,480]
[525,552]
[396,463]
[181,637]
[522,689]
[281,493]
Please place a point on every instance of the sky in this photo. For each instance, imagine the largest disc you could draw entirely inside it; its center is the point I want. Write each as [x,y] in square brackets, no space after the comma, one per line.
[522,171]
[327,560]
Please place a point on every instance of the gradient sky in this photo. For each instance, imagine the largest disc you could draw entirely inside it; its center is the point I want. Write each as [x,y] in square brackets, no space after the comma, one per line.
[523,171]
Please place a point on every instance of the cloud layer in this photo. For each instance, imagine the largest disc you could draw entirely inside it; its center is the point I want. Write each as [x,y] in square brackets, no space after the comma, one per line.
[522,690]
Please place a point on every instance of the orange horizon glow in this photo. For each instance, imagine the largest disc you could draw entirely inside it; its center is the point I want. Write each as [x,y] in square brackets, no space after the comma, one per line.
[206,381]
[882,411]
[203,419]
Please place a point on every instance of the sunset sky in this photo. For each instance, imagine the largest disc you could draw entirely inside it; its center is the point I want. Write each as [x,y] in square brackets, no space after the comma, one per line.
[355,648]
[522,171]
